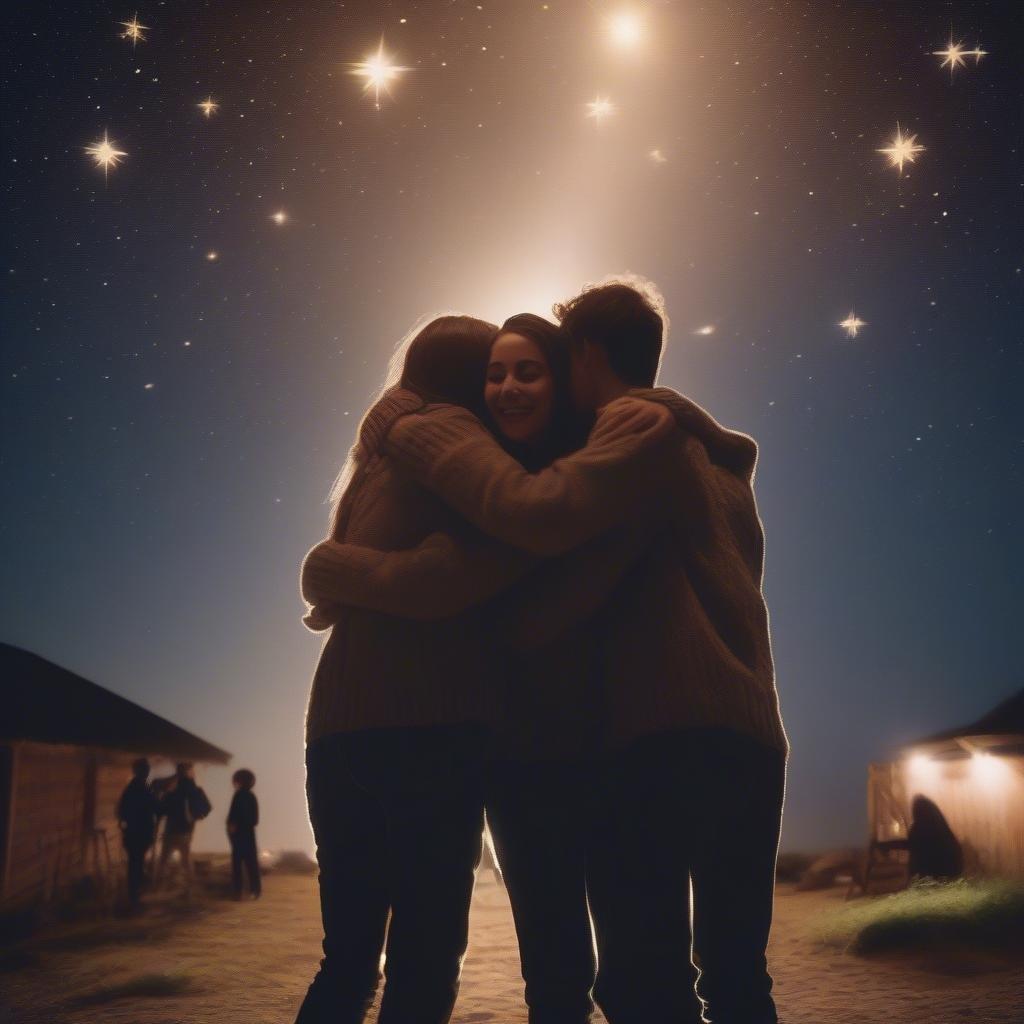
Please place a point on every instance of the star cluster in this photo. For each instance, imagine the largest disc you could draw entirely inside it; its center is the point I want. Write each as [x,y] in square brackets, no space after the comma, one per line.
[223,217]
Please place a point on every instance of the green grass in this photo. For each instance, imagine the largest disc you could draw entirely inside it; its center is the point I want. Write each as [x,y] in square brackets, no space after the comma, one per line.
[143,986]
[986,914]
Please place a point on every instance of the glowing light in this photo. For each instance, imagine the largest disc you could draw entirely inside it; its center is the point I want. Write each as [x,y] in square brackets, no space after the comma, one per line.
[600,108]
[208,106]
[211,256]
[988,770]
[706,330]
[133,30]
[657,156]
[902,149]
[954,55]
[379,70]
[977,53]
[280,217]
[852,324]
[625,29]
[105,155]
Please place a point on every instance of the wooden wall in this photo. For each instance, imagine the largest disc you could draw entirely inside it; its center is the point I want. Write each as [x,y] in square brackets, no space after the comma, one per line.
[60,796]
[982,801]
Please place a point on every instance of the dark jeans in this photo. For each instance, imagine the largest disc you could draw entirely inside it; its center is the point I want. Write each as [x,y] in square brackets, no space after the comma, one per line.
[398,818]
[537,816]
[701,806]
[243,852]
[135,850]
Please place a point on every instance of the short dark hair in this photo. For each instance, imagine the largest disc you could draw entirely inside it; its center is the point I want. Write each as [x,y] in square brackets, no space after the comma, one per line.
[626,319]
[140,768]
[244,778]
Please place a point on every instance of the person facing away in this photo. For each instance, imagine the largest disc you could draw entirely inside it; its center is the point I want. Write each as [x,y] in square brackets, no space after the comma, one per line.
[137,811]
[695,769]
[182,805]
[535,777]
[243,817]
[935,852]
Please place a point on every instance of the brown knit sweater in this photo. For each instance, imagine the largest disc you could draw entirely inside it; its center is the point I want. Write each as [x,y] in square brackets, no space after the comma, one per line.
[687,642]
[381,671]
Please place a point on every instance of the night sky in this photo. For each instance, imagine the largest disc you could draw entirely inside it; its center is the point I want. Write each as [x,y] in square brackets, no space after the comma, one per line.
[182,373]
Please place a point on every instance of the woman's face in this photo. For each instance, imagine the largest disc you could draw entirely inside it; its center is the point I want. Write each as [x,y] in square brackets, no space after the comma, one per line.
[520,390]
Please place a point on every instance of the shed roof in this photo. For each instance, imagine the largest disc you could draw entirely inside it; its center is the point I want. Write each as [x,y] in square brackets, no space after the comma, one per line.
[49,704]
[1004,720]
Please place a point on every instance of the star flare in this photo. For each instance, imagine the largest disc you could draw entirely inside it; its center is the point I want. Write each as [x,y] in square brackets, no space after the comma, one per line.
[600,108]
[852,324]
[133,30]
[903,149]
[954,55]
[208,106]
[280,217]
[105,155]
[378,70]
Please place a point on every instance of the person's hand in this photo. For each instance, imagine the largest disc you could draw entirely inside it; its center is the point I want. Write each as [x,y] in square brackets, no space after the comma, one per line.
[321,617]
[629,417]
[316,571]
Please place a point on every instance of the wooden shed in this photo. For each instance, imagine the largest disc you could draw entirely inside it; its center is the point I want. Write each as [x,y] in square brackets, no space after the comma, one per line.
[975,775]
[66,748]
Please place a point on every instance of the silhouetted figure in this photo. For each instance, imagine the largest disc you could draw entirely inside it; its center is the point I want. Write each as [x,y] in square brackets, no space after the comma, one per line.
[182,805]
[243,817]
[137,812]
[934,851]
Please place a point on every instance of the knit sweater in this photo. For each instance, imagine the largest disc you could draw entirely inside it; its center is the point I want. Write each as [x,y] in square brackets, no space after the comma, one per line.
[544,633]
[687,642]
[380,671]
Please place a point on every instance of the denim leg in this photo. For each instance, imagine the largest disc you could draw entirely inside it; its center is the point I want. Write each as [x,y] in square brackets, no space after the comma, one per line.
[536,812]
[350,835]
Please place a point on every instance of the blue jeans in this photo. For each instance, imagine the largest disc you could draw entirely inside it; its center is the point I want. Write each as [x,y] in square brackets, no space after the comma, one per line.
[700,807]
[537,813]
[398,818]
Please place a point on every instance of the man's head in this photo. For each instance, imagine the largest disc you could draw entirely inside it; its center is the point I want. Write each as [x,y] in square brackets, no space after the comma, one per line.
[140,768]
[185,770]
[616,331]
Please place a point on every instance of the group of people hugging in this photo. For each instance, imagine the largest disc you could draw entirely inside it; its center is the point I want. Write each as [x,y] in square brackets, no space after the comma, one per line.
[541,594]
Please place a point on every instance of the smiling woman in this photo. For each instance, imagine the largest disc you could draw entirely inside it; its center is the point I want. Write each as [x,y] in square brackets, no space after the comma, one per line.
[527,385]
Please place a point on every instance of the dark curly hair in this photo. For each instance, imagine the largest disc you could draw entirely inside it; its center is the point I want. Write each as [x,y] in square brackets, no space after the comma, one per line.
[244,778]
[626,317]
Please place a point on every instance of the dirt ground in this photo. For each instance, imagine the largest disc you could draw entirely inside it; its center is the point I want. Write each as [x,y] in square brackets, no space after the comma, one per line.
[248,963]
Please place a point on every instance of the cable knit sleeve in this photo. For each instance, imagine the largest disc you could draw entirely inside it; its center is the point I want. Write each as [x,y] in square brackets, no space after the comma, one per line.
[449,450]
[440,578]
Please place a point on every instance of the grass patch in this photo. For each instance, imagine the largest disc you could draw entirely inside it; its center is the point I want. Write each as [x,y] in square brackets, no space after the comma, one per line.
[986,914]
[143,986]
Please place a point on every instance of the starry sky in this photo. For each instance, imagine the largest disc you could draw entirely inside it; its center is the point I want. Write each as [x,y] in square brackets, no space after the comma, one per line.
[183,371]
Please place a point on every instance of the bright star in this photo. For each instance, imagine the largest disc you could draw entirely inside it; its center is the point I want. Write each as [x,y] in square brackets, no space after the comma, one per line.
[105,155]
[133,30]
[954,55]
[212,255]
[977,53]
[279,217]
[625,29]
[378,70]
[658,157]
[600,108]
[852,324]
[903,149]
[208,106]
[705,330]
